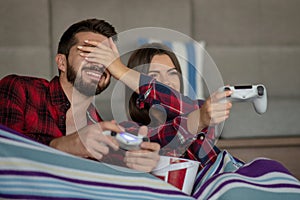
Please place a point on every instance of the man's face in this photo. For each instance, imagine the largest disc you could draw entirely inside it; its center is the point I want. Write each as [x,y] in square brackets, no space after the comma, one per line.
[87,77]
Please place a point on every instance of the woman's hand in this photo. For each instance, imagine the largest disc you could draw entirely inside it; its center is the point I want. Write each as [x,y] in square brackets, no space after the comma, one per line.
[215,111]
[107,55]
[211,113]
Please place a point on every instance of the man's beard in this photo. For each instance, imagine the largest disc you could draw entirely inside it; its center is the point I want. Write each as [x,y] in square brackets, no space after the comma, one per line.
[87,89]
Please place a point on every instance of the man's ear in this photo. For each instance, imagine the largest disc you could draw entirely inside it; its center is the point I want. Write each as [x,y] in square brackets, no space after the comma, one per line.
[61,62]
[107,78]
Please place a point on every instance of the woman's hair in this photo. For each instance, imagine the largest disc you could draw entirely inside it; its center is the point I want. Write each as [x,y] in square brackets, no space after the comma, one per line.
[140,61]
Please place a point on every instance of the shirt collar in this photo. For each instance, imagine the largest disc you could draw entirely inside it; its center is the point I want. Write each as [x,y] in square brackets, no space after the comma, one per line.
[93,115]
[58,97]
[57,94]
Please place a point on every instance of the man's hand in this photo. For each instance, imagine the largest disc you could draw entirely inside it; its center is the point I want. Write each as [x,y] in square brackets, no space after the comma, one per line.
[146,158]
[89,141]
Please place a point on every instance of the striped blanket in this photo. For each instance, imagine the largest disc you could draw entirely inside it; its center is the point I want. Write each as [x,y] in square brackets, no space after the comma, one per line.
[29,170]
[228,178]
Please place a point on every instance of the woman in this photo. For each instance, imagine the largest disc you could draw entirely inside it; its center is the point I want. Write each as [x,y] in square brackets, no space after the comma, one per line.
[177,120]
[159,62]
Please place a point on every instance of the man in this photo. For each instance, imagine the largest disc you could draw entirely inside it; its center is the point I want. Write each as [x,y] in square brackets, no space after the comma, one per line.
[60,113]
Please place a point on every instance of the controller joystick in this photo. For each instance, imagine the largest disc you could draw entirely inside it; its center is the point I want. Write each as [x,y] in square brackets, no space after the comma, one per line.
[260,90]
[226,88]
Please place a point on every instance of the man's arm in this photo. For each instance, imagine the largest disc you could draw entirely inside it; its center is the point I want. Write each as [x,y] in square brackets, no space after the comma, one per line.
[12,103]
[88,141]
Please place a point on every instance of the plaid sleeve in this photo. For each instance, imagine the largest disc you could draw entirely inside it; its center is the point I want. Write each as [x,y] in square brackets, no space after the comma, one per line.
[153,92]
[24,108]
[203,148]
[12,104]
[176,140]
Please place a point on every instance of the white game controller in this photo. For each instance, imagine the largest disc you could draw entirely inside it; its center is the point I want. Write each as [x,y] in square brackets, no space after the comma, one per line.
[257,94]
[127,141]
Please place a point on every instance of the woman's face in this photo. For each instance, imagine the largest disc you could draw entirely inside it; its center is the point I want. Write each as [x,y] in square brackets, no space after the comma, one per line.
[163,70]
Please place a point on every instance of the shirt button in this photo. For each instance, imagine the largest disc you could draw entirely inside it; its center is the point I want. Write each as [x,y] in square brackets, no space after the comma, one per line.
[67,106]
[201,136]
[62,117]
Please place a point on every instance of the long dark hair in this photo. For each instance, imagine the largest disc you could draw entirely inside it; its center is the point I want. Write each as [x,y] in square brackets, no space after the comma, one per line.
[140,60]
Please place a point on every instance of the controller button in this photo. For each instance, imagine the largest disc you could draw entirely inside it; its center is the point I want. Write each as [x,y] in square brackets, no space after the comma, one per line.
[226,89]
[201,136]
[260,90]
[145,139]
[113,133]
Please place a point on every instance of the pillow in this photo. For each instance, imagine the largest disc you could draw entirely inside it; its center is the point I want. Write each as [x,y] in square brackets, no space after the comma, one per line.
[191,58]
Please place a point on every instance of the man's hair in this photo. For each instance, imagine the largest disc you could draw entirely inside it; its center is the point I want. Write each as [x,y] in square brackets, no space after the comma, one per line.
[89,25]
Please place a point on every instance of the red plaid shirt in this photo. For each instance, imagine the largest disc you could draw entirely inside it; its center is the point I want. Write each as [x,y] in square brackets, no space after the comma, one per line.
[35,107]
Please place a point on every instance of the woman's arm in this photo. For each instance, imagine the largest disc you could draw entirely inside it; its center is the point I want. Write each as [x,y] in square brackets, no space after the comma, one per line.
[153,92]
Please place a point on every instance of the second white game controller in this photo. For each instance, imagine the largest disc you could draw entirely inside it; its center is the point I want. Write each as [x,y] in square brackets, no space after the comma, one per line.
[257,94]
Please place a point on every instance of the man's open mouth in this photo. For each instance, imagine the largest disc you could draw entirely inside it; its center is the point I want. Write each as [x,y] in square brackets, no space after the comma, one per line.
[93,72]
